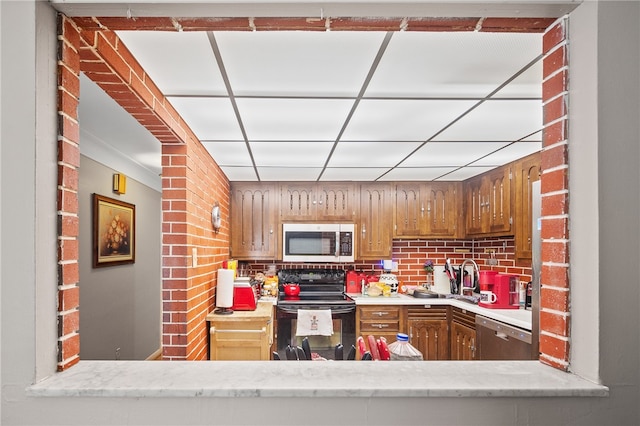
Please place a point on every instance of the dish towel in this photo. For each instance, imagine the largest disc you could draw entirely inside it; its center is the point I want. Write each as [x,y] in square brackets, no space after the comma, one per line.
[314,322]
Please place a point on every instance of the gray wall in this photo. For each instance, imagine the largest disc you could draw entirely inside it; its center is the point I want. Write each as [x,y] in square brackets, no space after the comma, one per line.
[609,296]
[120,305]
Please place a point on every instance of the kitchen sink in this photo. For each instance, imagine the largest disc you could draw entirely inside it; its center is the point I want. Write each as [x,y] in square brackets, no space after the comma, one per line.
[469,299]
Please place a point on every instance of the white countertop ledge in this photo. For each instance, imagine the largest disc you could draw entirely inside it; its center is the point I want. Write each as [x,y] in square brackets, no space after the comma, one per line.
[289,379]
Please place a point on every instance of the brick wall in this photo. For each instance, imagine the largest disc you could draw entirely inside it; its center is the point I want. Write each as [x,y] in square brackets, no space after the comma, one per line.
[554,276]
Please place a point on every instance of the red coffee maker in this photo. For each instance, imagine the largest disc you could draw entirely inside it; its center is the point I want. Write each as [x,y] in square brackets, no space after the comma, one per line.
[505,287]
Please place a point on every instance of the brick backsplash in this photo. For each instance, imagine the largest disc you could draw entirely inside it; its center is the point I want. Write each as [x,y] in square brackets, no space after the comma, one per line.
[411,255]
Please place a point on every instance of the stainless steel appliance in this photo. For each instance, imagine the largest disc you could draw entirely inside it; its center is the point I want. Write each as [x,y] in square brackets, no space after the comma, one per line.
[318,242]
[499,341]
[536,266]
[319,289]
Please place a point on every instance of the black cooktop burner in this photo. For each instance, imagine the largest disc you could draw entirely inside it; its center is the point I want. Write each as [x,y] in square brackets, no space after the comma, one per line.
[317,287]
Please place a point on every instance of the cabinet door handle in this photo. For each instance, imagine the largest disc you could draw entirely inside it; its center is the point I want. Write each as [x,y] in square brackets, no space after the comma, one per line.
[381,313]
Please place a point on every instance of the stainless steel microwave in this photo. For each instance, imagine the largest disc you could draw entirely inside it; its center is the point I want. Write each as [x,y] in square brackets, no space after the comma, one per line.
[318,242]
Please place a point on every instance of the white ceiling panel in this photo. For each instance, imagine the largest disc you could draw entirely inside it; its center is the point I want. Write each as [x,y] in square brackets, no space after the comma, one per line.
[229,153]
[451,64]
[240,173]
[294,92]
[497,120]
[353,173]
[209,118]
[293,119]
[177,62]
[526,84]
[401,120]
[298,63]
[370,154]
[451,153]
[289,173]
[417,173]
[284,154]
[510,153]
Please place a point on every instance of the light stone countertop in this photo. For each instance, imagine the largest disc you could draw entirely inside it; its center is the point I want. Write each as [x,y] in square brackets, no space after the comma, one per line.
[288,379]
[516,317]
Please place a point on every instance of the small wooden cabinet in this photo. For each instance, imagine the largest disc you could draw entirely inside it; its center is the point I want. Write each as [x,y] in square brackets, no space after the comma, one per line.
[426,209]
[243,335]
[380,320]
[323,201]
[463,335]
[488,203]
[375,224]
[428,330]
[526,171]
[254,226]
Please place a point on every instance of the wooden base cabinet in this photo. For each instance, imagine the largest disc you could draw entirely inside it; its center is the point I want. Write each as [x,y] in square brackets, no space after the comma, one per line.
[428,330]
[379,320]
[463,335]
[243,335]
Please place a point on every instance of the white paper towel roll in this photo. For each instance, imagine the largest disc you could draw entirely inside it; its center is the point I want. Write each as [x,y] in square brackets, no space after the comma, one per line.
[440,280]
[224,289]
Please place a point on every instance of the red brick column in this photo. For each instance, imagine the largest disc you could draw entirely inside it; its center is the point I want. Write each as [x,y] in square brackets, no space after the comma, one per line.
[554,277]
[68,223]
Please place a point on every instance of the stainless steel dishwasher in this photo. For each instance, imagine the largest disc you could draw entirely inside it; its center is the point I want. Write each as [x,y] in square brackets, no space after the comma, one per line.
[498,341]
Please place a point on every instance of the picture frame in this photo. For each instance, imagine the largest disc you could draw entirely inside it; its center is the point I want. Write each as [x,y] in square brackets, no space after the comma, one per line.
[114,230]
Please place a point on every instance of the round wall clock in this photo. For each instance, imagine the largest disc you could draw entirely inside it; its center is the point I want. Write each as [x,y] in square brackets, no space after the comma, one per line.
[216,220]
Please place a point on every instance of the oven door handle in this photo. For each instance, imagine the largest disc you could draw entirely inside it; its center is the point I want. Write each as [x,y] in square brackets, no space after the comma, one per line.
[346,310]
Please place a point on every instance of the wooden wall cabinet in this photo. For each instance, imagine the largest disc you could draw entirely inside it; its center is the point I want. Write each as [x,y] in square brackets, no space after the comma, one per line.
[428,330]
[380,320]
[526,171]
[427,209]
[463,335]
[375,224]
[488,203]
[318,201]
[254,224]
[243,335]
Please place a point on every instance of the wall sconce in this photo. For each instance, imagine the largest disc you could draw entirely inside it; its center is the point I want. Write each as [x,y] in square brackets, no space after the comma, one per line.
[119,183]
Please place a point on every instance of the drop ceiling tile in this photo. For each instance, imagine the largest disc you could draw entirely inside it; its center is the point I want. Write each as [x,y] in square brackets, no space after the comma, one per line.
[366,174]
[417,173]
[289,173]
[451,153]
[451,63]
[237,174]
[209,118]
[510,153]
[229,153]
[177,62]
[293,119]
[527,84]
[466,173]
[401,120]
[285,154]
[325,63]
[370,154]
[497,120]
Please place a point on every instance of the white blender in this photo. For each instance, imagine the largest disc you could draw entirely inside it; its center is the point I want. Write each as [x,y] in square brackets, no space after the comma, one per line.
[387,277]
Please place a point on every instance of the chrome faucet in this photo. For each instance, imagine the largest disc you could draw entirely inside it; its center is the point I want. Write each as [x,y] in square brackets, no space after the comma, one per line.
[476,272]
